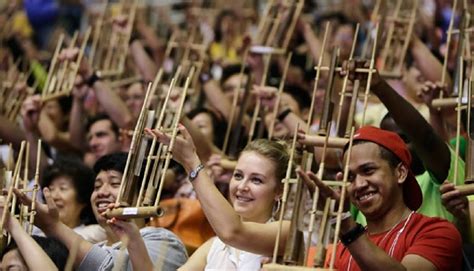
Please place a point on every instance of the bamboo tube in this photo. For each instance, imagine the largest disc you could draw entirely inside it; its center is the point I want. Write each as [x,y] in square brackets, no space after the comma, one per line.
[341,201]
[278,99]
[286,188]
[173,136]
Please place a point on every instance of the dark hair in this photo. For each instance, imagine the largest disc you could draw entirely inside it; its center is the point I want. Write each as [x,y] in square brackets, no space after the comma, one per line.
[218,125]
[82,178]
[300,95]
[65,102]
[100,117]
[217,25]
[56,250]
[115,161]
[230,70]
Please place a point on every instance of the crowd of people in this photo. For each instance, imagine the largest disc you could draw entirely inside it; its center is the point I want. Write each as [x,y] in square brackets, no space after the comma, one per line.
[226,186]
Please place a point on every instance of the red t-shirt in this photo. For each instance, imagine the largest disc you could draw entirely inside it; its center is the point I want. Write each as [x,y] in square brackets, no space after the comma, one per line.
[434,239]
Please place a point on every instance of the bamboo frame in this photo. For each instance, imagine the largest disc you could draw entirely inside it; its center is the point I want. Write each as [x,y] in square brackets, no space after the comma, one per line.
[146,203]
[441,101]
[398,38]
[276,26]
[62,75]
[110,47]
[186,49]
[11,97]
[18,179]
[326,140]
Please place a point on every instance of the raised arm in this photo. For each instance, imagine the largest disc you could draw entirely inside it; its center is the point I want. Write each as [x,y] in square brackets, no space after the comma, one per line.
[35,257]
[429,66]
[249,236]
[47,219]
[431,148]
[110,101]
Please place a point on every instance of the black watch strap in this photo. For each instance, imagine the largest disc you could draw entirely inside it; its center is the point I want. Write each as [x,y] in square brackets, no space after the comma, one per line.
[352,235]
[92,79]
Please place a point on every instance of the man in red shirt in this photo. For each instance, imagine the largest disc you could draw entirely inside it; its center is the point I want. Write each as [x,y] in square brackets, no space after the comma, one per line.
[383,188]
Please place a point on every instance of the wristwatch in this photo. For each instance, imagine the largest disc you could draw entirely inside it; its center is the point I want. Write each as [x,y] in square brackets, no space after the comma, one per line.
[352,235]
[194,173]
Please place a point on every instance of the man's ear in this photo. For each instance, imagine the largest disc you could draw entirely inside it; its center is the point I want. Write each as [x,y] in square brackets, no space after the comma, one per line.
[401,171]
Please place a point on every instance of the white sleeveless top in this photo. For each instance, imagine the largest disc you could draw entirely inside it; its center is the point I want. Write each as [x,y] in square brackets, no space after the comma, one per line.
[224,257]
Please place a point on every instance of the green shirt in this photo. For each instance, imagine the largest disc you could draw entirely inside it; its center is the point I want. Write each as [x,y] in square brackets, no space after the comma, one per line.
[432,205]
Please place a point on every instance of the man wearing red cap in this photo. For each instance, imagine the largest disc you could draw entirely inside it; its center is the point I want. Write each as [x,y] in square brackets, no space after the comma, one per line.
[383,188]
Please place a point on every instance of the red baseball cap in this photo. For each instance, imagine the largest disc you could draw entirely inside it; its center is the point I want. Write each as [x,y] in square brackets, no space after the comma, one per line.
[393,142]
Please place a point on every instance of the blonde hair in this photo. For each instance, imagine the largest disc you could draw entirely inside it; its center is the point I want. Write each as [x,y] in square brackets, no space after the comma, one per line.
[276,151]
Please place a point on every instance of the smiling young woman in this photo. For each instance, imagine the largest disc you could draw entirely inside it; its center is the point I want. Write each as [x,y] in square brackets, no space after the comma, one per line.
[244,227]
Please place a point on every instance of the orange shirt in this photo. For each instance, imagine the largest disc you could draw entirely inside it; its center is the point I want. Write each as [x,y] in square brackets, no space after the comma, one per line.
[434,239]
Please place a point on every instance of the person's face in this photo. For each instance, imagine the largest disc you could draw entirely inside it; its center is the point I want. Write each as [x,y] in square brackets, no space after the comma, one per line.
[280,130]
[65,197]
[374,187]
[54,112]
[228,25]
[254,188]
[106,190]
[12,261]
[343,39]
[414,81]
[232,83]
[203,122]
[102,139]
[134,98]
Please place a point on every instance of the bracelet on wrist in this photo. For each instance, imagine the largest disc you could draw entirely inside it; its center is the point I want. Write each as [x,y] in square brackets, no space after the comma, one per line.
[195,172]
[283,114]
[92,79]
[352,235]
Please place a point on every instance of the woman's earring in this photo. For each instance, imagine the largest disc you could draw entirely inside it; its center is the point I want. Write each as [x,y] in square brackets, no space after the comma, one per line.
[277,208]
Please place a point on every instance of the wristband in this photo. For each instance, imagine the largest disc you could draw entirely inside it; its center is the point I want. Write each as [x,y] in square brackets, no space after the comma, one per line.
[281,117]
[92,79]
[204,78]
[352,235]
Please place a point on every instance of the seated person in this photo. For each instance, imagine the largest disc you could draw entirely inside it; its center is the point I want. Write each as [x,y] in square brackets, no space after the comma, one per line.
[71,184]
[383,188]
[244,227]
[146,246]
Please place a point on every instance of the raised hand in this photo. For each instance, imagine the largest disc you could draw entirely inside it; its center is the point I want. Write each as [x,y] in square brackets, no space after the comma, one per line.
[453,201]
[47,215]
[30,112]
[266,94]
[354,69]
[312,181]
[430,91]
[184,151]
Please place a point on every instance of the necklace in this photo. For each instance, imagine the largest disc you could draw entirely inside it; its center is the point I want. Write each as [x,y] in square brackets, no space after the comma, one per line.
[394,242]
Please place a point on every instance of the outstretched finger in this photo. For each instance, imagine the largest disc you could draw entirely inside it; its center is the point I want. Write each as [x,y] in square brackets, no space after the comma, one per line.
[323,188]
[160,136]
[184,132]
[22,197]
[49,199]
[308,182]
